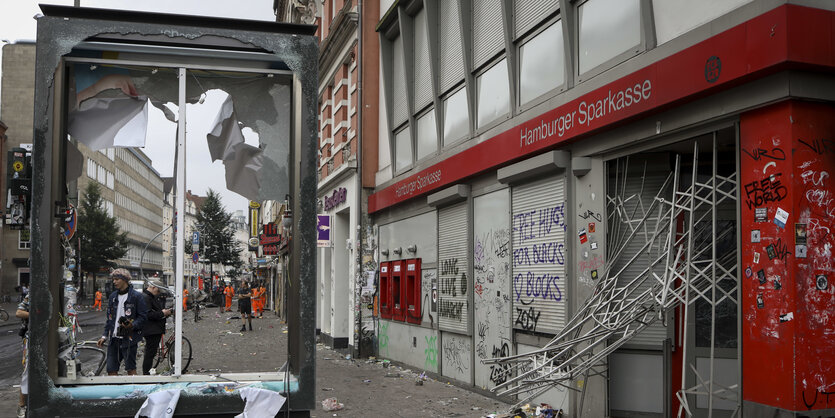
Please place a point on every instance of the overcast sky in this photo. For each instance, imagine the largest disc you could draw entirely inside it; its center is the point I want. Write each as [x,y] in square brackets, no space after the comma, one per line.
[19,25]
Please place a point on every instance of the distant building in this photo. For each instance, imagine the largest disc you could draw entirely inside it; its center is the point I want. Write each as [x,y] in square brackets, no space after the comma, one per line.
[16,111]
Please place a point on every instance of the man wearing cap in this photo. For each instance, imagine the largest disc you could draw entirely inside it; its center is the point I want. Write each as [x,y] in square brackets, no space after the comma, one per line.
[155,326]
[126,315]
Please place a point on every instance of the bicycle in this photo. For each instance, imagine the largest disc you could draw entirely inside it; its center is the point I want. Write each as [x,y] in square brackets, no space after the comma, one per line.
[166,352]
[4,316]
[89,361]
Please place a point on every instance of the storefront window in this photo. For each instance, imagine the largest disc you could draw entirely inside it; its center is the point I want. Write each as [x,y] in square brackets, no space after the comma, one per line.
[456,118]
[541,64]
[493,94]
[607,29]
[427,136]
[403,149]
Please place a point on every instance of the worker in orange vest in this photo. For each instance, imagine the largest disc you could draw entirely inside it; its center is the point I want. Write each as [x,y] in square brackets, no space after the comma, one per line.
[263,294]
[97,305]
[228,291]
[185,298]
[256,300]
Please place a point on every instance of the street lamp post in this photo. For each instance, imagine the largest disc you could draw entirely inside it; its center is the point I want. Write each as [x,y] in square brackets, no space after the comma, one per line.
[142,256]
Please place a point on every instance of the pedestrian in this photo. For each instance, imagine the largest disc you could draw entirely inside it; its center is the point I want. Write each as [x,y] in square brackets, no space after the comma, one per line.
[256,299]
[23,313]
[245,305]
[263,294]
[229,291]
[155,327]
[185,299]
[97,304]
[126,315]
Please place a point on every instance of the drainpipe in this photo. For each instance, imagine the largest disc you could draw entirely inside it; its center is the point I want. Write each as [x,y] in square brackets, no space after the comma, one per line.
[359,191]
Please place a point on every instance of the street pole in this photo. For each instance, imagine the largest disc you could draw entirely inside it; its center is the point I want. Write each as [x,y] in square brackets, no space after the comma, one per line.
[142,256]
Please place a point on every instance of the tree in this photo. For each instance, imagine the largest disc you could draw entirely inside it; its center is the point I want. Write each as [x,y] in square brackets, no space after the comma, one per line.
[217,238]
[101,240]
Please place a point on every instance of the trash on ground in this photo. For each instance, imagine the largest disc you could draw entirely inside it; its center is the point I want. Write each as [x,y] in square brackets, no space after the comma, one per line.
[327,389]
[366,381]
[331,404]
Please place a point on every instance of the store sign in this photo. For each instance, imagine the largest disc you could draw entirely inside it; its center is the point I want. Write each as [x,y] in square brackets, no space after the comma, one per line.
[270,238]
[323,231]
[338,197]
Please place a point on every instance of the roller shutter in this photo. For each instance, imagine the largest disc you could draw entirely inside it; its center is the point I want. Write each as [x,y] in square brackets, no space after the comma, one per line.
[454,284]
[452,64]
[528,13]
[488,32]
[423,75]
[539,254]
[647,186]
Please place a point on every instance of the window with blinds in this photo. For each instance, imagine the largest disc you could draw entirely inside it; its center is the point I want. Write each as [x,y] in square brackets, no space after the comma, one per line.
[488,32]
[451,57]
[528,13]
[400,110]
[423,74]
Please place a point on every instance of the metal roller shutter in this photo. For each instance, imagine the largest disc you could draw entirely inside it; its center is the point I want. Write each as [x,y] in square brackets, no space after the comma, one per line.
[488,35]
[423,75]
[647,186]
[539,253]
[528,13]
[452,64]
[453,309]
[400,113]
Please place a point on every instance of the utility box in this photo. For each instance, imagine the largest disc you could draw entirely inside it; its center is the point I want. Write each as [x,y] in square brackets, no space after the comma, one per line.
[398,290]
[385,290]
[413,291]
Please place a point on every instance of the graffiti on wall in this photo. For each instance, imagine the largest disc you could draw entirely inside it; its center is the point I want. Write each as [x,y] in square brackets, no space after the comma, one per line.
[500,372]
[455,350]
[431,353]
[383,338]
[538,261]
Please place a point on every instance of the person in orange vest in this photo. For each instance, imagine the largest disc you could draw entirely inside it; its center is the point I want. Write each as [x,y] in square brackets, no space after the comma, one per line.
[262,291]
[97,305]
[256,300]
[228,291]
[185,298]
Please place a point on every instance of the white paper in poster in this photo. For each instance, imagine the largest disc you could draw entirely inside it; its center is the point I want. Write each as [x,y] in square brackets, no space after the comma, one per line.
[781,217]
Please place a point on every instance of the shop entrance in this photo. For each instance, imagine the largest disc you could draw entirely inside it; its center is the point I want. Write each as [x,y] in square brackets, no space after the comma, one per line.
[672,243]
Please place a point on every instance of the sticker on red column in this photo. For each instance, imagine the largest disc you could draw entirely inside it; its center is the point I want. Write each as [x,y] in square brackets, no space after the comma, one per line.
[583,237]
[756,257]
[781,217]
[761,276]
[821,282]
[776,282]
[749,272]
[760,301]
[800,251]
[755,236]
[800,234]
[771,251]
[761,215]
[787,317]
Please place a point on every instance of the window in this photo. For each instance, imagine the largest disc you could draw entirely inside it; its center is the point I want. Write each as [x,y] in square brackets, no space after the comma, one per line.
[427,135]
[403,149]
[607,29]
[541,63]
[493,94]
[23,240]
[456,117]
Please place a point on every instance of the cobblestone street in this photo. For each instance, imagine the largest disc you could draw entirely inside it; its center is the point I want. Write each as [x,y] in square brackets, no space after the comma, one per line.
[365,387]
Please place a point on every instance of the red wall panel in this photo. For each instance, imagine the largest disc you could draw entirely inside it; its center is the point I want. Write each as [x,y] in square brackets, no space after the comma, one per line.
[788,331]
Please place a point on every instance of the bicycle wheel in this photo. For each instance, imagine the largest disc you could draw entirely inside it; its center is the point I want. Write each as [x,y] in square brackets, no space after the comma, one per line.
[4,316]
[186,355]
[91,360]
[161,352]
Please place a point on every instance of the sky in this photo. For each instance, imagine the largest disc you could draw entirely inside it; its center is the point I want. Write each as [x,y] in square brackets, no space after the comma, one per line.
[19,25]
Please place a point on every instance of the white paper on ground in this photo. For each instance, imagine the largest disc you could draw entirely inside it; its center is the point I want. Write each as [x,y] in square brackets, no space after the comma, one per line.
[160,404]
[260,403]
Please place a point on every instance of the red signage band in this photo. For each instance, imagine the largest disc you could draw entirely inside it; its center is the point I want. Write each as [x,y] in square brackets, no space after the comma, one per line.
[743,52]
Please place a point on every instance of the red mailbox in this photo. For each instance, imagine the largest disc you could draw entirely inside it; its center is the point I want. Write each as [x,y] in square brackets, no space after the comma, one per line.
[385,290]
[413,291]
[398,290]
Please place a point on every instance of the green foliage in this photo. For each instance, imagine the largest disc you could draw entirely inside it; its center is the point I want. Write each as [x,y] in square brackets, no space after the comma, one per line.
[101,240]
[217,237]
